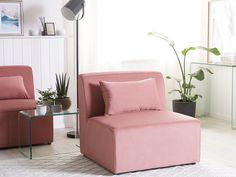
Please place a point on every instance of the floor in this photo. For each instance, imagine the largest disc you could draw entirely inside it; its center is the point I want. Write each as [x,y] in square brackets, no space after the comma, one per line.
[218,144]
[61,144]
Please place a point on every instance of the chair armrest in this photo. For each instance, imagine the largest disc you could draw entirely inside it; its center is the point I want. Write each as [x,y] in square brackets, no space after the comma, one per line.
[17,105]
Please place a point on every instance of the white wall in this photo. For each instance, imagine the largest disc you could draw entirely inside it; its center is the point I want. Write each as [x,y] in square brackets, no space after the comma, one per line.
[51,9]
[33,9]
[209,104]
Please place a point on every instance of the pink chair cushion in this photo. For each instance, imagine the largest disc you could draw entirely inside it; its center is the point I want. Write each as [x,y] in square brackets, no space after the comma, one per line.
[140,119]
[143,140]
[12,88]
[130,96]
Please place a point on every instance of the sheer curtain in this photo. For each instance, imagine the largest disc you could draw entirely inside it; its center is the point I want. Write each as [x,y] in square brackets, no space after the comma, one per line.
[113,35]
[223,29]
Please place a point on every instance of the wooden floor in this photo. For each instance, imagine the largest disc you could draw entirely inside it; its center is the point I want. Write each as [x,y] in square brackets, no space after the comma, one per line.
[218,144]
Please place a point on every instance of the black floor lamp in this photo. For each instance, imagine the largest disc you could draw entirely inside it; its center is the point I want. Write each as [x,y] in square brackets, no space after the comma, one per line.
[71,11]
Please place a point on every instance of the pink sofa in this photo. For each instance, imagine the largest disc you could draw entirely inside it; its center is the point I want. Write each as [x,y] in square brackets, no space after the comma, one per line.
[42,128]
[137,140]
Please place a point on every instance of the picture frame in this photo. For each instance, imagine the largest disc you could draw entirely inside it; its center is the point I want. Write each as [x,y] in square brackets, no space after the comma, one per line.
[50,29]
[11,18]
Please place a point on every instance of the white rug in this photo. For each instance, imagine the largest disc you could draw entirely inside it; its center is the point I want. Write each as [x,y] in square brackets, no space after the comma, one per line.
[76,165]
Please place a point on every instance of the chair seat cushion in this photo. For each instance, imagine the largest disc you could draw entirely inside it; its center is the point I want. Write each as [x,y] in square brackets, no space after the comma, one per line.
[143,140]
[17,104]
[143,118]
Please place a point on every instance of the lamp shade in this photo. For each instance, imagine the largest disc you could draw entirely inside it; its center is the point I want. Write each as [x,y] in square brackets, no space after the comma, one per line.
[72,8]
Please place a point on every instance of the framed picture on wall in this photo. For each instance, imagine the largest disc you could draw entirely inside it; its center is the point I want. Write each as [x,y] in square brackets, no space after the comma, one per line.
[50,29]
[11,17]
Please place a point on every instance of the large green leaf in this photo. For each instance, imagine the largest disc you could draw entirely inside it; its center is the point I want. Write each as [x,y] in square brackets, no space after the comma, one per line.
[185,51]
[199,75]
[215,51]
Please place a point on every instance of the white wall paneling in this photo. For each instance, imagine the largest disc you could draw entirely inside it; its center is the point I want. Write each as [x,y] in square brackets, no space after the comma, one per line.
[1,53]
[8,51]
[217,92]
[46,56]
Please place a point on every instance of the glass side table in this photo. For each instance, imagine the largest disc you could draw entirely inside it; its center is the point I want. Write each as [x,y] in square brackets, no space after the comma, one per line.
[232,66]
[25,122]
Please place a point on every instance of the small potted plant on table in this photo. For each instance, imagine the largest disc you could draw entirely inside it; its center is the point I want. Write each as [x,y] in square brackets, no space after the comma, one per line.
[187,102]
[62,85]
[47,97]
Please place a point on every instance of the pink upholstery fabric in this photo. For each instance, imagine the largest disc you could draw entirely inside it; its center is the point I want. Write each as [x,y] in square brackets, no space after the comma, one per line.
[12,88]
[129,96]
[9,109]
[143,140]
[138,140]
[17,105]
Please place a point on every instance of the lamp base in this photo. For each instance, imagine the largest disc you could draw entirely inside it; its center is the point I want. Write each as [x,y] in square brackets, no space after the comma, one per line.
[73,134]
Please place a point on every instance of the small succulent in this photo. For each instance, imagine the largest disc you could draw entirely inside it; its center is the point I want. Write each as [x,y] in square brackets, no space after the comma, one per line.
[47,95]
[62,85]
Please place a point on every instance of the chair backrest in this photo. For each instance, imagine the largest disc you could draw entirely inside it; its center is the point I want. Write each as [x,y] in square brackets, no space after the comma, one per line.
[24,71]
[90,97]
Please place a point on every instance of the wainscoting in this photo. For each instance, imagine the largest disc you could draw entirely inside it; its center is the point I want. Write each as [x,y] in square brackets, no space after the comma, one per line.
[45,54]
[217,93]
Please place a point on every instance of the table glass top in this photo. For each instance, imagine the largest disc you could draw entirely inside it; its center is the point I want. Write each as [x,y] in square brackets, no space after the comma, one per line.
[216,64]
[35,114]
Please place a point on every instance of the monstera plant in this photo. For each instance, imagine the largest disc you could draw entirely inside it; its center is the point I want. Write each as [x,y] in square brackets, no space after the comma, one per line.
[187,102]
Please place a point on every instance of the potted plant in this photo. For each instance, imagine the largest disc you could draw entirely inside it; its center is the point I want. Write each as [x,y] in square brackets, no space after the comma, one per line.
[62,85]
[187,102]
[47,97]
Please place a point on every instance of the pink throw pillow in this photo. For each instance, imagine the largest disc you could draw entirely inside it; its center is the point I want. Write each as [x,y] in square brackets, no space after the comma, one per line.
[129,96]
[12,87]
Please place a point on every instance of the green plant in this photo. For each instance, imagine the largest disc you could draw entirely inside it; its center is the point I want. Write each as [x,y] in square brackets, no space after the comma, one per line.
[185,84]
[47,95]
[62,85]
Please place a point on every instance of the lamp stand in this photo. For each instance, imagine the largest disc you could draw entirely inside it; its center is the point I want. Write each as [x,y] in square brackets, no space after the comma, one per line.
[75,134]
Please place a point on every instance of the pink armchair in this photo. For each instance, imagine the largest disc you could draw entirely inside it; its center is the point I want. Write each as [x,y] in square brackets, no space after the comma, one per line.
[9,108]
[137,140]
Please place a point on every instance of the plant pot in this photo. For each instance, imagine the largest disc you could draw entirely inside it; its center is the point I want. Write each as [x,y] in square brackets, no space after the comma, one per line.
[65,102]
[48,104]
[186,108]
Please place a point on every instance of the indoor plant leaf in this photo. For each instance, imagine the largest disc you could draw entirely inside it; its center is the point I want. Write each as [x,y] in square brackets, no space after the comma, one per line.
[175,90]
[176,79]
[185,51]
[185,83]
[215,51]
[199,75]
[208,70]
[189,86]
